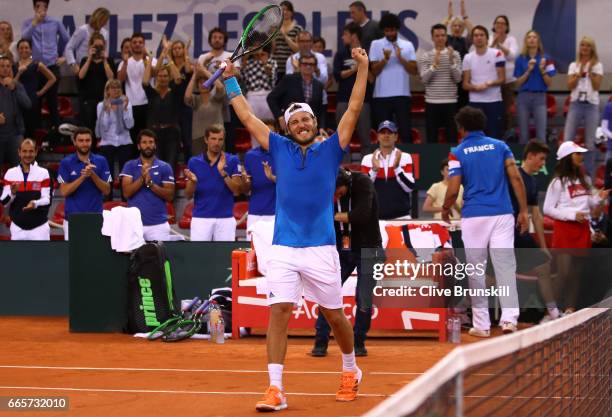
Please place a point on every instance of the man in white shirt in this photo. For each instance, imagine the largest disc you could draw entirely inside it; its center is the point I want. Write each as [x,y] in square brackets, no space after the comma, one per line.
[304,41]
[483,75]
[393,59]
[131,71]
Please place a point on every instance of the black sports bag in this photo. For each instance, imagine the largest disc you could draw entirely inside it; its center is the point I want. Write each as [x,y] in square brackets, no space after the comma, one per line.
[151,298]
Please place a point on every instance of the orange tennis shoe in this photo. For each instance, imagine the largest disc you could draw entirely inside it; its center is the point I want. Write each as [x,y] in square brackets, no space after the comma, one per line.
[349,386]
[273,400]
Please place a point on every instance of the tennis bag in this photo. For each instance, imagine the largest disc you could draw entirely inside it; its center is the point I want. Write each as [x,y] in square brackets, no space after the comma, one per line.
[151,298]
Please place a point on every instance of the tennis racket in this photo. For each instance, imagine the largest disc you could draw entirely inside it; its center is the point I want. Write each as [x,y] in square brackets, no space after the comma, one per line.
[260,31]
[175,321]
[187,327]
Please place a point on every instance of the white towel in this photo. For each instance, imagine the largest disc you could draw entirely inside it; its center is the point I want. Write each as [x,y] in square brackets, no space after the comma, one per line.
[124,226]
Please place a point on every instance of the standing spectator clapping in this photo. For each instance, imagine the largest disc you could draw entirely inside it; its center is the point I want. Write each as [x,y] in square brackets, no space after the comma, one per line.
[285,43]
[533,71]
[114,121]
[8,45]
[179,56]
[440,71]
[584,80]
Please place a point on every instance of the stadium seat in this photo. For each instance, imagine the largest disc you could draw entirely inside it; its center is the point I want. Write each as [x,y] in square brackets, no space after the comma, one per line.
[566,105]
[331,103]
[39,136]
[240,209]
[373,137]
[578,139]
[179,176]
[600,176]
[64,149]
[352,167]
[109,205]
[416,136]
[551,105]
[417,105]
[243,140]
[185,222]
[58,214]
[171,213]
[355,144]
[65,108]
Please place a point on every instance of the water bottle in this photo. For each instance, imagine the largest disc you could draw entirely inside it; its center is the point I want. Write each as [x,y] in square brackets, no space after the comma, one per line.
[220,331]
[213,320]
[453,329]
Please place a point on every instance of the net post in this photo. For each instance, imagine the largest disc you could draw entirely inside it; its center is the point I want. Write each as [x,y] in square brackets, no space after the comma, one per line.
[459,395]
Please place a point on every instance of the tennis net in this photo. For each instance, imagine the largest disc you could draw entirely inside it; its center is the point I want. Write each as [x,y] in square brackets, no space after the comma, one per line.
[561,368]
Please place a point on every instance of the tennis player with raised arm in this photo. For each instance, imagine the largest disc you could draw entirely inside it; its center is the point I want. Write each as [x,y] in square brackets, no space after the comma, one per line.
[303,257]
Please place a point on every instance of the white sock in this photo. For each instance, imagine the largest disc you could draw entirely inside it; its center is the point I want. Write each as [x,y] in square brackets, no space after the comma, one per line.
[348,362]
[275,371]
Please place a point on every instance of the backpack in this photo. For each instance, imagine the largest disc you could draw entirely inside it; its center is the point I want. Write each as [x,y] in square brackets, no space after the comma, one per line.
[151,298]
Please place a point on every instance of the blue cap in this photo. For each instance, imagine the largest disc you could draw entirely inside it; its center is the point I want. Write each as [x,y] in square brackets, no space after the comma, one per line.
[387,124]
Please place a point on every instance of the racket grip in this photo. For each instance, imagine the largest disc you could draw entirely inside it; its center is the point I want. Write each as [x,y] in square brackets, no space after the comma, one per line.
[209,83]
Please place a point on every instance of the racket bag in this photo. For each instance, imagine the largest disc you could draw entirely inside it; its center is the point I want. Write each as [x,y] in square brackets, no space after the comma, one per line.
[151,298]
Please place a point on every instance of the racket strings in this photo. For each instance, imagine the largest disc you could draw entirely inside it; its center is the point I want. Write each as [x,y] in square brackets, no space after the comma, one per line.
[263,29]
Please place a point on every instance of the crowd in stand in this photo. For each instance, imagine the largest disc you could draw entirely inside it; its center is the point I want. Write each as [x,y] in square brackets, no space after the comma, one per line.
[157,110]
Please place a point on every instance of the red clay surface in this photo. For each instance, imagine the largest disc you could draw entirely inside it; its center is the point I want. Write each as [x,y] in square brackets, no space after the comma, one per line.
[118,375]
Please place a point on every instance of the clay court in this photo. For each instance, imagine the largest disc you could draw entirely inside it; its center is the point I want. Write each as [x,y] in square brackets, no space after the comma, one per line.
[118,375]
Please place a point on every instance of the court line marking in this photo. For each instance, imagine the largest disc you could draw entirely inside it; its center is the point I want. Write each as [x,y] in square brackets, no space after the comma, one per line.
[238,371]
[146,391]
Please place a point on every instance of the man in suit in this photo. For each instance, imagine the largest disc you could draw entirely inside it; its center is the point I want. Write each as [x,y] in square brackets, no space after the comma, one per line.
[302,87]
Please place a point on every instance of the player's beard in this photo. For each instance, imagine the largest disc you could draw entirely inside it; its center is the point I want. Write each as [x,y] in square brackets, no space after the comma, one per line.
[148,153]
[306,142]
[80,151]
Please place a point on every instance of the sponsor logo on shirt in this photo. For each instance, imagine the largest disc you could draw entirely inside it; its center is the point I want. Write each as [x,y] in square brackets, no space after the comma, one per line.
[577,190]
[73,173]
[479,148]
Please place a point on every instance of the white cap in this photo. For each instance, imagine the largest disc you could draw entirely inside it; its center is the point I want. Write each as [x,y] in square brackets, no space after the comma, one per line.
[568,148]
[296,108]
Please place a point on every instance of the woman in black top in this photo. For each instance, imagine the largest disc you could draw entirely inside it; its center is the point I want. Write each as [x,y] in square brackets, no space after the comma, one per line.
[95,71]
[179,56]
[163,110]
[27,73]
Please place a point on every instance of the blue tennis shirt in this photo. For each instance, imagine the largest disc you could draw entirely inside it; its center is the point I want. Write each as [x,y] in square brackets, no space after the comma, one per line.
[152,208]
[212,198]
[87,198]
[305,186]
[480,160]
[263,191]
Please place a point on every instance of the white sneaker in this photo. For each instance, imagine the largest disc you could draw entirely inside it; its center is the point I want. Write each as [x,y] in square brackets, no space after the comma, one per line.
[479,333]
[508,327]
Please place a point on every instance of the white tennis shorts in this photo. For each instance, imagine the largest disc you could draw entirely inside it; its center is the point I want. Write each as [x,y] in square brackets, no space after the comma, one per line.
[313,272]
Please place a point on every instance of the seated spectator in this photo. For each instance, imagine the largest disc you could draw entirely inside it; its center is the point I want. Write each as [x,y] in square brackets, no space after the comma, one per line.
[8,45]
[259,182]
[47,34]
[440,71]
[302,87]
[148,184]
[533,71]
[258,71]
[213,178]
[79,45]
[95,70]
[27,189]
[285,44]
[436,194]
[115,119]
[27,73]
[163,109]
[13,102]
[390,170]
[207,106]
[84,178]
